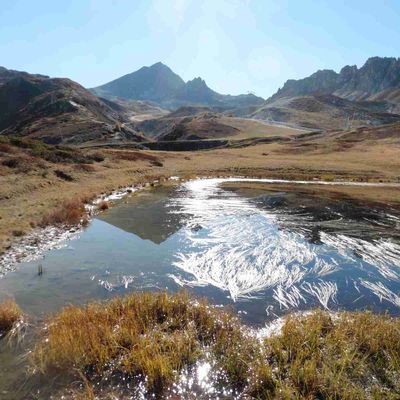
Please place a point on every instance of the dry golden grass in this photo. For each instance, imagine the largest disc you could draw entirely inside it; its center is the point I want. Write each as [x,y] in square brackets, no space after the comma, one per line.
[69,213]
[153,335]
[103,206]
[84,168]
[348,356]
[136,156]
[6,148]
[156,335]
[10,313]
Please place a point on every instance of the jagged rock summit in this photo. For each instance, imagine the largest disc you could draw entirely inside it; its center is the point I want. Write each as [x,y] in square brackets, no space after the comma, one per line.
[377,79]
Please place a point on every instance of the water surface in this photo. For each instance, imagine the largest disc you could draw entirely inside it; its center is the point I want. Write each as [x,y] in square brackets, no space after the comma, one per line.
[263,252]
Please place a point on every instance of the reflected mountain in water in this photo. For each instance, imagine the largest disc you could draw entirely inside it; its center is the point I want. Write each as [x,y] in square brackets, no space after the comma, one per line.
[146,215]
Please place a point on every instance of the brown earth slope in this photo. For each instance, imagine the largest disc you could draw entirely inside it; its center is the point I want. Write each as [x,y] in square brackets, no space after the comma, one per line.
[196,123]
[57,111]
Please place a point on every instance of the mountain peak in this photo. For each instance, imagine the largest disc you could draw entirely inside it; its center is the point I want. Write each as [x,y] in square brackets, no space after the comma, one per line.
[198,79]
[380,60]
[159,84]
[197,82]
[156,68]
[153,83]
[158,63]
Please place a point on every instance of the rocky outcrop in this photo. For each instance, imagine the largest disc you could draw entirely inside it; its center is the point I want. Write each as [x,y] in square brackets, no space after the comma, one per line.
[378,78]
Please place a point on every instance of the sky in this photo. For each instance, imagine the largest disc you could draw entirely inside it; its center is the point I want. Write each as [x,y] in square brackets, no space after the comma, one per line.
[236,46]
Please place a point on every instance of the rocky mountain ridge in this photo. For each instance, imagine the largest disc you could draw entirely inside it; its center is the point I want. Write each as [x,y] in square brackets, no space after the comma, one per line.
[58,110]
[159,84]
[377,79]
[323,111]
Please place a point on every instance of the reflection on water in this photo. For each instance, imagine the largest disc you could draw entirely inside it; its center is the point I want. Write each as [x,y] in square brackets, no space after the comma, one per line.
[264,252]
[284,252]
[150,219]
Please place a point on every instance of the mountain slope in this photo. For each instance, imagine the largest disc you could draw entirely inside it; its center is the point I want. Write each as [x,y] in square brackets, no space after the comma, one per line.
[366,96]
[56,110]
[8,74]
[379,78]
[159,84]
[135,110]
[198,123]
[156,83]
[323,111]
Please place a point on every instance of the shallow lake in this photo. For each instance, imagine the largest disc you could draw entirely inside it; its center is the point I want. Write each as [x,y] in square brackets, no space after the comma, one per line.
[264,252]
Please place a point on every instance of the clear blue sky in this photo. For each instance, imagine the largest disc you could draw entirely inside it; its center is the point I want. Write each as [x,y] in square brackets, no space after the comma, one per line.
[235,45]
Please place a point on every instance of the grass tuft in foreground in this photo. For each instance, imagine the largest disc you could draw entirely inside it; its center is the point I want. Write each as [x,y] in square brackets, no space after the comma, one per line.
[348,356]
[154,335]
[10,314]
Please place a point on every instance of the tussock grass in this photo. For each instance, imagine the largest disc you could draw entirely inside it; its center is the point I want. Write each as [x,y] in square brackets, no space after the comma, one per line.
[84,168]
[69,213]
[103,206]
[5,148]
[63,175]
[97,156]
[349,356]
[147,334]
[137,156]
[23,163]
[10,314]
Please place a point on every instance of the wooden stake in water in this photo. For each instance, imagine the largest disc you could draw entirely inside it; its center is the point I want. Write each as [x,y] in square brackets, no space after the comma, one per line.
[40,269]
